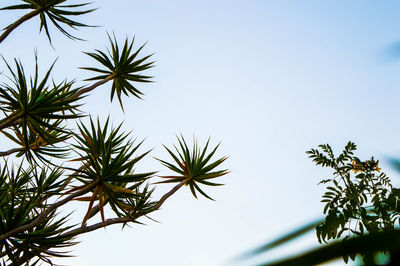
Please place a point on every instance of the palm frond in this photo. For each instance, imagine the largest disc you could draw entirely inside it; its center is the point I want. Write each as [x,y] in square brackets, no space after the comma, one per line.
[124,66]
[107,157]
[53,11]
[193,165]
[23,196]
[35,112]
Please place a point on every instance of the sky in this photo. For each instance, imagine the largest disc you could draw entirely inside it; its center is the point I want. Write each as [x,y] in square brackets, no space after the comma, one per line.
[269,79]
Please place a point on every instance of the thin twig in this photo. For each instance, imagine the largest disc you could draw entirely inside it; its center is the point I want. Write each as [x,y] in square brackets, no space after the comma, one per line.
[86,229]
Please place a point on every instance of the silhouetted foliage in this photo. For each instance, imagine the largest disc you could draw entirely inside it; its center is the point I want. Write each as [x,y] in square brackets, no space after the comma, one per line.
[362,211]
[53,164]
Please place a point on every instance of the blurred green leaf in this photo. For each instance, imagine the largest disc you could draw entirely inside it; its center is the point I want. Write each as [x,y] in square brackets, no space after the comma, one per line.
[388,240]
[282,240]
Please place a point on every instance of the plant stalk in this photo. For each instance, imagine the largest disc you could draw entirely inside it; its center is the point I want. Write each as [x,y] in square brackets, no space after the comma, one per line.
[11,120]
[92,87]
[6,153]
[86,229]
[21,20]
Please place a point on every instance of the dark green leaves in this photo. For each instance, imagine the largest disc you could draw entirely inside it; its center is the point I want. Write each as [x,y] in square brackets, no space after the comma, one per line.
[194,166]
[36,111]
[123,66]
[362,213]
[359,198]
[23,196]
[52,11]
[107,158]
[370,245]
[34,146]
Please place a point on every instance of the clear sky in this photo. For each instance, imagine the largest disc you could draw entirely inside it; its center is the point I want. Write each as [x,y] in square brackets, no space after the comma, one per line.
[270,79]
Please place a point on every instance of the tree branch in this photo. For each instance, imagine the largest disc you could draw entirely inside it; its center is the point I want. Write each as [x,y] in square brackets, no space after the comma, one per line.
[92,87]
[86,229]
[6,153]
[69,179]
[119,220]
[21,20]
[44,214]
[167,195]
[11,119]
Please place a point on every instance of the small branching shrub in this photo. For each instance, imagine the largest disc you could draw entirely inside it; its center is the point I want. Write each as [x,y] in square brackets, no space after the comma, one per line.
[359,198]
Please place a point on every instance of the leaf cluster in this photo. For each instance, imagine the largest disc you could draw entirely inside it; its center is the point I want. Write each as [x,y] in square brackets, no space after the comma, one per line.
[193,166]
[35,111]
[107,162]
[23,196]
[362,214]
[359,198]
[124,66]
[55,12]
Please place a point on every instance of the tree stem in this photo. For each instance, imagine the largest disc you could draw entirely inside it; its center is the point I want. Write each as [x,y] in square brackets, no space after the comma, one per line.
[11,119]
[92,87]
[86,229]
[21,20]
[167,195]
[6,153]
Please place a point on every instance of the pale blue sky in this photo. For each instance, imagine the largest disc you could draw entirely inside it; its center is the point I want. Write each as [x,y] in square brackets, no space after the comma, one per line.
[270,79]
